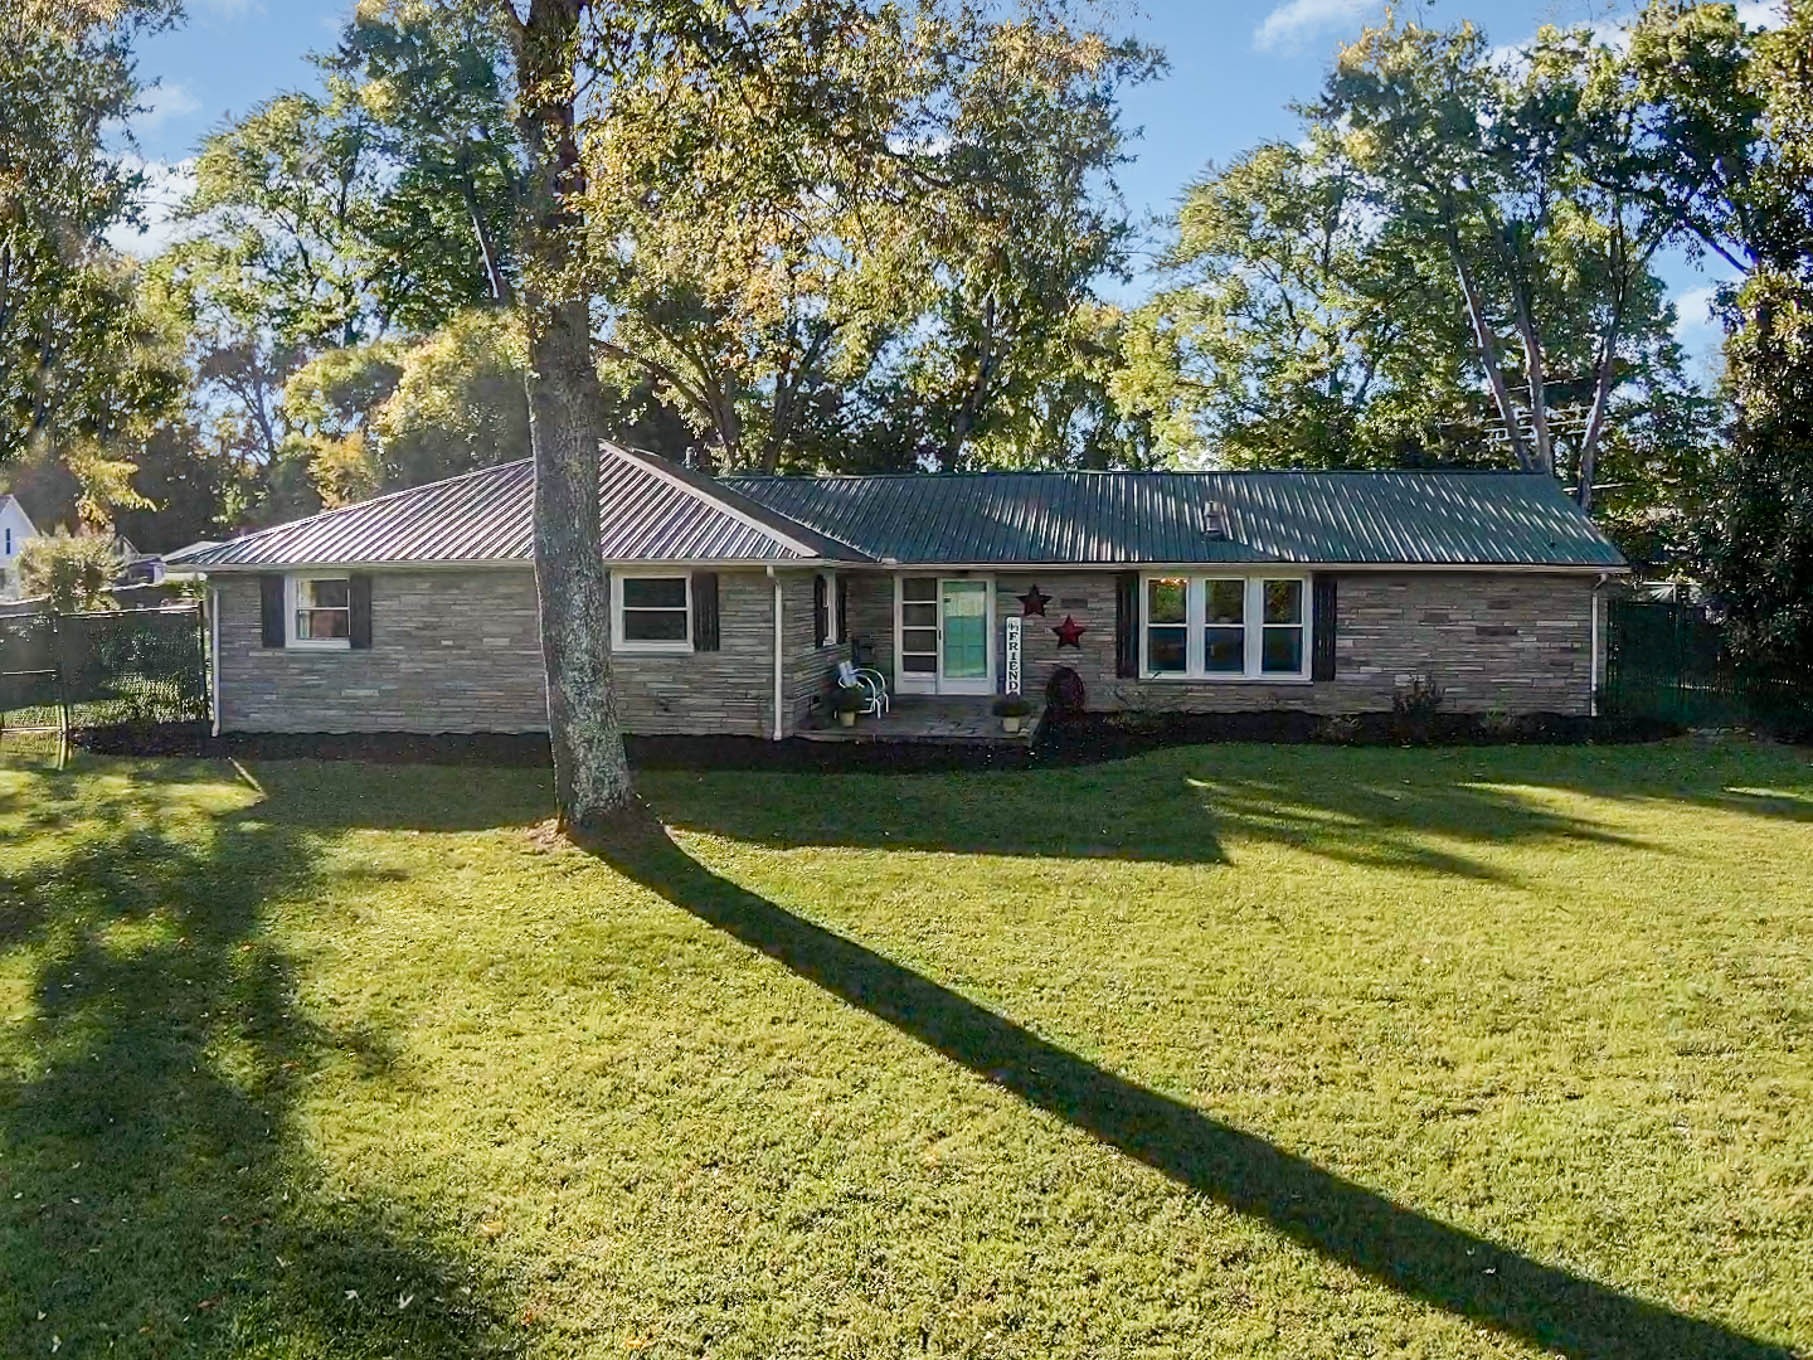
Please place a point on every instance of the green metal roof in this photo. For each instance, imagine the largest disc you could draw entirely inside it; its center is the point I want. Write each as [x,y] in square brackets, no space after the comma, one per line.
[1103,518]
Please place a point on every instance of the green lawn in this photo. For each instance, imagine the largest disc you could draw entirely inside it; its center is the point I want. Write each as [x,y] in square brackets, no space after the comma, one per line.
[1224,1051]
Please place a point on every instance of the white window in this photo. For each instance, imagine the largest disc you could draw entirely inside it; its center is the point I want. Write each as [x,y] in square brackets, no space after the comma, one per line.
[1226,627]
[319,611]
[652,613]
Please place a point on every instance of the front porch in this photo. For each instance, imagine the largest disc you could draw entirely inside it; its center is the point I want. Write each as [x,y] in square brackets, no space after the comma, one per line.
[952,719]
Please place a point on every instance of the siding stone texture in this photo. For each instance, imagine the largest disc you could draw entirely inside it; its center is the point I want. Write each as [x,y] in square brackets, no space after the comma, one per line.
[459,651]
[1492,641]
[1515,642]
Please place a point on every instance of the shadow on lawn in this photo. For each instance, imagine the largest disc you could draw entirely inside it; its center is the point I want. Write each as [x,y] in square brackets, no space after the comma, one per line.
[1435,1262]
[155,1194]
[1392,809]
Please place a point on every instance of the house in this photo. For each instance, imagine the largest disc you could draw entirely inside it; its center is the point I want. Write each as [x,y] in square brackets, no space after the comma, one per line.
[16,530]
[733,599]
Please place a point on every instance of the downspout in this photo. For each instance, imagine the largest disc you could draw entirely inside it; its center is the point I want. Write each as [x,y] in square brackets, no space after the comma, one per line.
[780,669]
[214,659]
[1593,669]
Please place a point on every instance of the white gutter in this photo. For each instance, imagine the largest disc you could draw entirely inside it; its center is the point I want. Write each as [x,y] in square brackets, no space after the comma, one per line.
[780,671]
[214,659]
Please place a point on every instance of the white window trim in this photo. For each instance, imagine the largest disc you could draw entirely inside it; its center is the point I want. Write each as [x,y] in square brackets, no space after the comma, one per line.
[621,644]
[291,590]
[1252,621]
[830,639]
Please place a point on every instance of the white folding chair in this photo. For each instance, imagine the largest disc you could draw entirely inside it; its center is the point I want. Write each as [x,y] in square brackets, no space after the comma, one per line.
[873,686]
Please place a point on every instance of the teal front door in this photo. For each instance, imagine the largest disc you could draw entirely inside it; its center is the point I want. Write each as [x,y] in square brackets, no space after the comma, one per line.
[964,633]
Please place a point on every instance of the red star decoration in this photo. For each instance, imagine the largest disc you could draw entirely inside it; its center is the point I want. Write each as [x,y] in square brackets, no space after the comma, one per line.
[1033,602]
[1070,633]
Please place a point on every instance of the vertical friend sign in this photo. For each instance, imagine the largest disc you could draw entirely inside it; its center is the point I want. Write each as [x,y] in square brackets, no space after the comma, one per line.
[1015,627]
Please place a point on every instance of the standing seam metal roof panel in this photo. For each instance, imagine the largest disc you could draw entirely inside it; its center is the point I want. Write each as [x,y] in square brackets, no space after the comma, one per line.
[648,512]
[1385,518]
[652,511]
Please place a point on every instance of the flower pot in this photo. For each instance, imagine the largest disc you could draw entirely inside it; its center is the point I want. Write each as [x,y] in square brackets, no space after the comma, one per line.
[1011,723]
[846,719]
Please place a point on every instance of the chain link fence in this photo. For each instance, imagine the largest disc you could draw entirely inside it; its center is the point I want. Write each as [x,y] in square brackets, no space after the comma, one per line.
[135,666]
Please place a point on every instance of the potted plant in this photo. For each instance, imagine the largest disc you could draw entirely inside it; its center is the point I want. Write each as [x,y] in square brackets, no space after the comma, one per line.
[1012,709]
[847,703]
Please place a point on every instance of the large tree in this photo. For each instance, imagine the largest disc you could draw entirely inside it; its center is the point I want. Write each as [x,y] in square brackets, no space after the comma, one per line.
[1759,535]
[592,782]
[82,369]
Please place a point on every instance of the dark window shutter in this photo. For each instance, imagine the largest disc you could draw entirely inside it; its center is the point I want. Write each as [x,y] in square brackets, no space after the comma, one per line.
[358,595]
[843,608]
[1322,643]
[705,611]
[821,612]
[270,601]
[1126,625]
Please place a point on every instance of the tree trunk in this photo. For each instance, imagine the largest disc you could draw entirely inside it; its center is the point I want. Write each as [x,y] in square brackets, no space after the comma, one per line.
[592,787]
[1488,352]
[493,268]
[1536,373]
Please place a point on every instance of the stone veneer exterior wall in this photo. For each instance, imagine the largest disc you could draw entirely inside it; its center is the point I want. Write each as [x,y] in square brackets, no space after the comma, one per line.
[1512,641]
[458,650]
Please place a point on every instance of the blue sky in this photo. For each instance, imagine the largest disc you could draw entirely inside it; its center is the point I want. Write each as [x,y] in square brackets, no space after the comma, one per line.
[1235,67]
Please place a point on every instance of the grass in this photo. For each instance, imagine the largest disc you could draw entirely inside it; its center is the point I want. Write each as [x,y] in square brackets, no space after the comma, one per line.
[1223,1051]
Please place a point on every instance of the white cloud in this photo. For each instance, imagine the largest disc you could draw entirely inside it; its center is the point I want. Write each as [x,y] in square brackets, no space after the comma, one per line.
[163,103]
[1698,330]
[1295,20]
[167,185]
[1760,13]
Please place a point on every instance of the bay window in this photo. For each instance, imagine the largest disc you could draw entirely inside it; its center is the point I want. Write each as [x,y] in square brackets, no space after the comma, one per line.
[1226,627]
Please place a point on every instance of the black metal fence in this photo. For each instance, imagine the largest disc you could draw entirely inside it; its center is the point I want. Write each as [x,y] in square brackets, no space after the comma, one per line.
[106,669]
[1671,663]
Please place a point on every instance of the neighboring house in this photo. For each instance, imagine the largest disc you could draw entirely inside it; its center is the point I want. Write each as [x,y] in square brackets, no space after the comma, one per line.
[16,530]
[732,600]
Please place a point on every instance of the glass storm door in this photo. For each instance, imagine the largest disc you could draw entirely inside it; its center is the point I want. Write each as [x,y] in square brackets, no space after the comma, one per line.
[963,641]
[918,672]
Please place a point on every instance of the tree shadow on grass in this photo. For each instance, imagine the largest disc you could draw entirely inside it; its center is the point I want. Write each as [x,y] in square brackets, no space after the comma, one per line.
[1387,810]
[1437,1263]
[156,1196]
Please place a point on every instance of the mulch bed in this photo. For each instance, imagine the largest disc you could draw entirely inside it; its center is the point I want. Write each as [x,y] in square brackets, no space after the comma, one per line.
[1077,740]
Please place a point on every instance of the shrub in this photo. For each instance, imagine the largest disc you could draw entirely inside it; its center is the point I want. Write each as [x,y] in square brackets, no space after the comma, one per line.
[1420,698]
[847,699]
[71,572]
[1064,693]
[1012,706]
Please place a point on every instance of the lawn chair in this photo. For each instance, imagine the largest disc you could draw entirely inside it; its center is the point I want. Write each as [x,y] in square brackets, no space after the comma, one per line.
[869,682]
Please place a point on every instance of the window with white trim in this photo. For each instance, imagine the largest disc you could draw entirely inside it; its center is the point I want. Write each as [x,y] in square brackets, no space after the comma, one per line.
[652,613]
[1225,627]
[320,611]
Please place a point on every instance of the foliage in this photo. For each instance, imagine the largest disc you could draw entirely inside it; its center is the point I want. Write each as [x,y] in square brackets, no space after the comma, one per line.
[82,368]
[72,572]
[872,218]
[327,404]
[1758,540]
[1453,222]
[557,1110]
